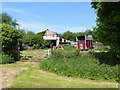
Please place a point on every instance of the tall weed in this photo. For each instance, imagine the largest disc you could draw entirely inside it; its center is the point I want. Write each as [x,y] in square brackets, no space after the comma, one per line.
[81,64]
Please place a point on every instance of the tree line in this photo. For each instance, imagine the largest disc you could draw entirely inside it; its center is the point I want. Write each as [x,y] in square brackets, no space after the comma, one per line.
[107,31]
[13,38]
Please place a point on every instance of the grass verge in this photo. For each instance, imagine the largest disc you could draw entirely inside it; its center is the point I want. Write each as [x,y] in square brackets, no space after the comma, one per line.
[36,78]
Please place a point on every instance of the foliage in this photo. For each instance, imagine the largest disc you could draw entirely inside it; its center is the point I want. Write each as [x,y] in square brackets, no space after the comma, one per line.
[29,35]
[10,38]
[35,78]
[37,41]
[69,36]
[93,33]
[24,36]
[5,58]
[75,63]
[7,19]
[72,36]
[108,19]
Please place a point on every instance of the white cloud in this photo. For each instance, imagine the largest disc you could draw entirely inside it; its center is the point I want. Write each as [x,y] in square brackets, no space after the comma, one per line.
[14,10]
[22,12]
[41,26]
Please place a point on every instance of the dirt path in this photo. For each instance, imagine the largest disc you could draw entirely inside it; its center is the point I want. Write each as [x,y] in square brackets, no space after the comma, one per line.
[43,78]
[8,73]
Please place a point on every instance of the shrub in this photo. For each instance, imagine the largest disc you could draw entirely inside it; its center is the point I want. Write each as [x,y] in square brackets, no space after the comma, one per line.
[79,64]
[10,38]
[6,59]
[36,46]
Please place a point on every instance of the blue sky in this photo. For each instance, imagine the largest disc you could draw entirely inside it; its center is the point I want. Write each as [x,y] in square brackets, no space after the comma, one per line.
[58,17]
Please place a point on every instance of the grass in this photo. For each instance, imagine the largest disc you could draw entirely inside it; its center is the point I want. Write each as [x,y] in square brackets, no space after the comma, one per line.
[35,78]
[32,54]
[87,65]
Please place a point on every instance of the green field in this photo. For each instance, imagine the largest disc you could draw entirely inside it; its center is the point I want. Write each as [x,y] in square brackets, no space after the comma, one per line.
[31,76]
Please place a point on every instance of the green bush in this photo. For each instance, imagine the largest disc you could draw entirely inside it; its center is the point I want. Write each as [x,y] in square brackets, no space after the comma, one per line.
[79,64]
[10,38]
[36,46]
[6,59]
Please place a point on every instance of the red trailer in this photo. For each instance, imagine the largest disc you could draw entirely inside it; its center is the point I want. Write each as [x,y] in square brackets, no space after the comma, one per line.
[84,42]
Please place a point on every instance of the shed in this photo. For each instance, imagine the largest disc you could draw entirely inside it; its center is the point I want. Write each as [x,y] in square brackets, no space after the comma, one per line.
[84,42]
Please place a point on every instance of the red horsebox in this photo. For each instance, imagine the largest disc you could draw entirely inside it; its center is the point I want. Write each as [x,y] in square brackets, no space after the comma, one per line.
[84,42]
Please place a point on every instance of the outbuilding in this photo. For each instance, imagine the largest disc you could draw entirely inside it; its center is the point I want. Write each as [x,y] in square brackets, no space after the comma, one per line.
[84,42]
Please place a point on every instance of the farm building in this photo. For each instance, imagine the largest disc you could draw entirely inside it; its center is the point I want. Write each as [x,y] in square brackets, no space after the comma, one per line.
[84,42]
[50,35]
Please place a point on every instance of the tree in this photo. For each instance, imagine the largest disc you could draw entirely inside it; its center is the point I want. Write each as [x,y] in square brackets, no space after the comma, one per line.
[24,36]
[108,24]
[29,37]
[69,36]
[14,23]
[92,32]
[23,40]
[88,32]
[10,39]
[30,33]
[7,19]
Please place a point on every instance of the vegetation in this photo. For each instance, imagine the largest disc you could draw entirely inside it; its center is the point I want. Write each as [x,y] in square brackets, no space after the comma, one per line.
[107,30]
[10,38]
[32,55]
[32,77]
[72,36]
[73,63]
[7,19]
[29,75]
[94,65]
[5,58]
[35,78]
[14,39]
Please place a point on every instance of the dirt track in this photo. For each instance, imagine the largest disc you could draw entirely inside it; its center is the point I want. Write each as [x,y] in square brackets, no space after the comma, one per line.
[8,75]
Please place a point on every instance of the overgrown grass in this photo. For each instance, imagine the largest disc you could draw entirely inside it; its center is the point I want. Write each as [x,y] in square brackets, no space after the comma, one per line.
[75,63]
[5,58]
[32,54]
[35,78]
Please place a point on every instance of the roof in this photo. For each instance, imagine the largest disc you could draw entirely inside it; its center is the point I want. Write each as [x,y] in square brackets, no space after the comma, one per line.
[49,33]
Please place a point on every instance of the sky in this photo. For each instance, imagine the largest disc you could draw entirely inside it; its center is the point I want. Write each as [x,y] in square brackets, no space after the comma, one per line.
[55,16]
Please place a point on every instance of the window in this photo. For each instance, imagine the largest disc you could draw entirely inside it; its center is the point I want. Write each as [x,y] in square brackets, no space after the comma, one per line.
[81,37]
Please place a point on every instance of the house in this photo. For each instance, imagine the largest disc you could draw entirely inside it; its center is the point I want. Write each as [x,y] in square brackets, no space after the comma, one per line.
[84,42]
[50,35]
